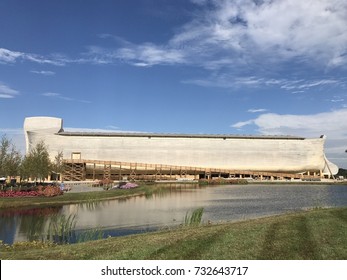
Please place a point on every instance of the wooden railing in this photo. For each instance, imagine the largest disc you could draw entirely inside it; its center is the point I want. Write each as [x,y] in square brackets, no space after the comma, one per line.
[76,169]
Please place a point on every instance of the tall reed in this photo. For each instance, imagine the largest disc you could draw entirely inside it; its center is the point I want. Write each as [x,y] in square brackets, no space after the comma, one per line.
[194,218]
[61,228]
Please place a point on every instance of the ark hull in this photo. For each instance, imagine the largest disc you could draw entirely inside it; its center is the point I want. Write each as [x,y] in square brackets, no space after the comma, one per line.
[254,153]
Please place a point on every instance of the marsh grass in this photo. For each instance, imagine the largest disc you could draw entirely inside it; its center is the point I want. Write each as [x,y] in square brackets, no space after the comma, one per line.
[89,235]
[36,228]
[194,218]
[61,228]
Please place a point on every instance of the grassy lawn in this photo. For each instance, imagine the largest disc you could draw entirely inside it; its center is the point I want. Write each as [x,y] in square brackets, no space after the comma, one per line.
[81,197]
[314,234]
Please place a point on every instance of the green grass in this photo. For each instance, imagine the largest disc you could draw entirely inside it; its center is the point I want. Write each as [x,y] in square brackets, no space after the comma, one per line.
[82,197]
[195,218]
[314,234]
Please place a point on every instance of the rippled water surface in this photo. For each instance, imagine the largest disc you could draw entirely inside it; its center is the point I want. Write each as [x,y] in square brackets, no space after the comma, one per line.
[168,208]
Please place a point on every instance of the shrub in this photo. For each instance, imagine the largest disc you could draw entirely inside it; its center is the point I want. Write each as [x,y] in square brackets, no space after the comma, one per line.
[51,191]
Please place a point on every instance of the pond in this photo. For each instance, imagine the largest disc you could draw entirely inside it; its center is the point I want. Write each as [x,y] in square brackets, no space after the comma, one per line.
[167,209]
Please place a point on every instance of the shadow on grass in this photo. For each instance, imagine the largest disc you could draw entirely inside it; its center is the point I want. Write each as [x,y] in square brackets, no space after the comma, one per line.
[341,215]
[290,240]
[192,248]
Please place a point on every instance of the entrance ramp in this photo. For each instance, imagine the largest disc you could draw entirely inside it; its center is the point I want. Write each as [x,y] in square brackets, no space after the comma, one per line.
[84,169]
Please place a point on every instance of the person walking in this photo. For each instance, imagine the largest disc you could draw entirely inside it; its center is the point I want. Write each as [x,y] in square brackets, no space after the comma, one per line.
[62,186]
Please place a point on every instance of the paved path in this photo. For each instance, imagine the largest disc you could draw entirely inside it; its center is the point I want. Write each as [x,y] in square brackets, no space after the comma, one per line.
[83,188]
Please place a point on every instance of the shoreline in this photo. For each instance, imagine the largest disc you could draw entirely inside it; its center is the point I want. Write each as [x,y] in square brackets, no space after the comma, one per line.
[92,195]
[288,236]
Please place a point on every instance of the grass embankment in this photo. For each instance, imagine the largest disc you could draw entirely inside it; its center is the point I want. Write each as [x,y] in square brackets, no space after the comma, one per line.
[81,197]
[316,234]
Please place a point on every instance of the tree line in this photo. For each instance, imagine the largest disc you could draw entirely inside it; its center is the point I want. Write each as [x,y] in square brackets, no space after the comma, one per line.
[36,164]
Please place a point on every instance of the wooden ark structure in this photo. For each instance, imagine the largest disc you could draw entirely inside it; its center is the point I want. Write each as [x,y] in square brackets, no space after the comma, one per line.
[153,156]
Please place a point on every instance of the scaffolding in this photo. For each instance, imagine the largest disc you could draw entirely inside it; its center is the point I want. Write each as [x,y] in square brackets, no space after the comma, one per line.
[82,169]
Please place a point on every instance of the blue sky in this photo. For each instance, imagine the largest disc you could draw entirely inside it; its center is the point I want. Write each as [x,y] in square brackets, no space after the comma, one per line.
[199,66]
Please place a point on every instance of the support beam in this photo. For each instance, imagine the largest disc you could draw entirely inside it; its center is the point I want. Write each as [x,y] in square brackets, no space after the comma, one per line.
[76,170]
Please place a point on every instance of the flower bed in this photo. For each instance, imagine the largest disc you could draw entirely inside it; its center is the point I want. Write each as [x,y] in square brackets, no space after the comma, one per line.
[128,186]
[46,191]
[125,185]
[19,193]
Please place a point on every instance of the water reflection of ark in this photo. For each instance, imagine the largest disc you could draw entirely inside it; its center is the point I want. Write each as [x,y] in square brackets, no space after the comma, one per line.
[57,224]
[25,224]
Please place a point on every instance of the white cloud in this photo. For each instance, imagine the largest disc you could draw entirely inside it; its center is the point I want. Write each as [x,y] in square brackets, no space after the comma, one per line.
[332,124]
[7,92]
[226,33]
[150,54]
[296,28]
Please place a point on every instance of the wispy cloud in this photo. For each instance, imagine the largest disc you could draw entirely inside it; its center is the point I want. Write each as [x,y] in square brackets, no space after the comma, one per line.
[43,72]
[144,55]
[7,92]
[56,95]
[337,100]
[222,37]
[229,80]
[8,56]
[257,110]
[63,97]
[224,34]
[112,127]
[303,85]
